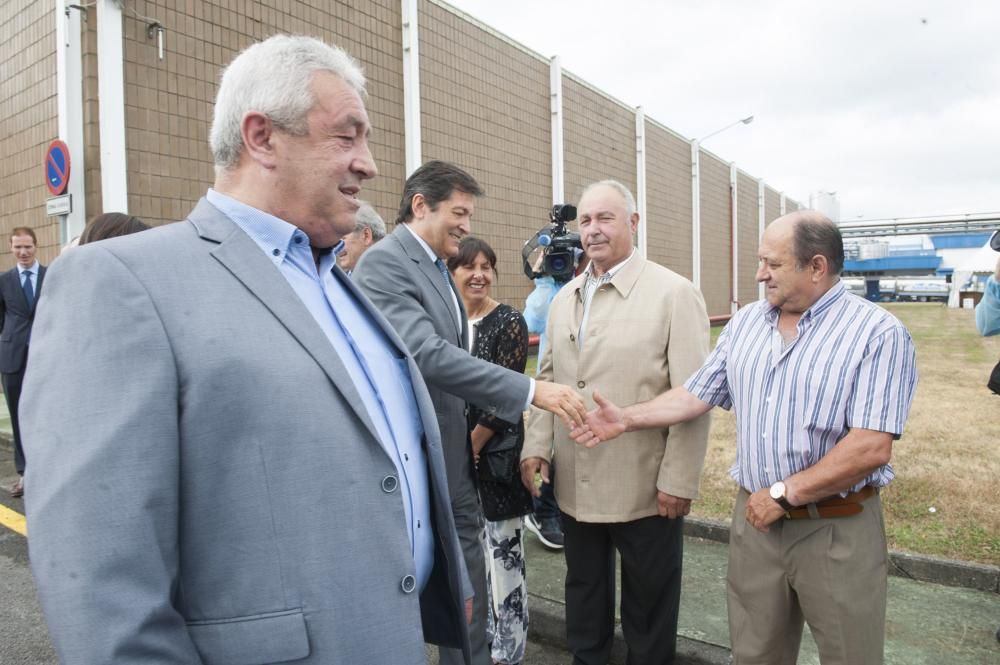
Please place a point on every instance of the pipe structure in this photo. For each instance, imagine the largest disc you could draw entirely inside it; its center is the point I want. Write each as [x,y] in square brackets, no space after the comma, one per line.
[411,87]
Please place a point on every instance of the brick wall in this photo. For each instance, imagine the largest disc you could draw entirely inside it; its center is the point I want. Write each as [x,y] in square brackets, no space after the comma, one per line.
[485,107]
[748,238]
[716,266]
[28,123]
[598,138]
[772,205]
[668,199]
[168,103]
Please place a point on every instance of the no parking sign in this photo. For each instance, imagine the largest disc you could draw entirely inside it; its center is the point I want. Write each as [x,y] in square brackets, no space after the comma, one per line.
[57,167]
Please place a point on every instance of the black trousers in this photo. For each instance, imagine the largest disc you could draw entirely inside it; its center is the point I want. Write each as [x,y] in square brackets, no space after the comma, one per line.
[545,505]
[12,393]
[651,550]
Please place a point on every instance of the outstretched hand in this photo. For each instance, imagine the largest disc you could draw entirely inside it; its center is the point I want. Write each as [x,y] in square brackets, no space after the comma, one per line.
[605,422]
[561,401]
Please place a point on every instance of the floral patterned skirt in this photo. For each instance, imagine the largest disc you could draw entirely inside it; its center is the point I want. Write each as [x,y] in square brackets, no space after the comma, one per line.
[507,629]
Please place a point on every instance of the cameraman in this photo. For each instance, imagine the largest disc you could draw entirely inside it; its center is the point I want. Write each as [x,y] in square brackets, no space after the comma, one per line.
[988,318]
[988,309]
[544,520]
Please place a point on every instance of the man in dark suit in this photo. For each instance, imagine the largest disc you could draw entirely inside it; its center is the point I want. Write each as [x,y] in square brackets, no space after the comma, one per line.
[267,497]
[19,289]
[404,275]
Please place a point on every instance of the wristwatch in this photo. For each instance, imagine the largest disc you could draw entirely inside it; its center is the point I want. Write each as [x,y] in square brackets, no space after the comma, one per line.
[777,493]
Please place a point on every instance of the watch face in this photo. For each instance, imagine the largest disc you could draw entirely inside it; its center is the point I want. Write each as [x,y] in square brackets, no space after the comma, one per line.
[778,491]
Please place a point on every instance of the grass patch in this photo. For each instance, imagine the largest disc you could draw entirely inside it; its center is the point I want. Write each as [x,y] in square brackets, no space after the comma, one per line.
[947,458]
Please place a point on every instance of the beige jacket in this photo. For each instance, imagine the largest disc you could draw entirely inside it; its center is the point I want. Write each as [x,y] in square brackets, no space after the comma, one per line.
[647,331]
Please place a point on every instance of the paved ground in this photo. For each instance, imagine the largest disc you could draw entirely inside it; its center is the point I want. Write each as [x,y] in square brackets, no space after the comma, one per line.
[928,624]
[23,637]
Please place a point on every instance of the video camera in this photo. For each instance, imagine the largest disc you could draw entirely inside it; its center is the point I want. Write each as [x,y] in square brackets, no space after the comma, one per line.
[560,247]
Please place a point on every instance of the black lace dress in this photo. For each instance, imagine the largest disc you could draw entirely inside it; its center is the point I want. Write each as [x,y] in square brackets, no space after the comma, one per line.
[501,337]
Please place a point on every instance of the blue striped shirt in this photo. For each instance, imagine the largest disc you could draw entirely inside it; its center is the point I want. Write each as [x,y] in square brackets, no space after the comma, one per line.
[851,364]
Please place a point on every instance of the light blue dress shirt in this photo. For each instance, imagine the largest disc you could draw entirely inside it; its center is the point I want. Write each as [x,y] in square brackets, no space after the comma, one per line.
[379,374]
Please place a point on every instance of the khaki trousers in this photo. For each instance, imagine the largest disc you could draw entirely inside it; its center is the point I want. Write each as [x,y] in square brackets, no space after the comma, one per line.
[829,572]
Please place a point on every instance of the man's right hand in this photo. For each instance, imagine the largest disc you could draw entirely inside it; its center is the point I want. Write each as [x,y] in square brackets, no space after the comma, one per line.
[529,467]
[560,400]
[605,422]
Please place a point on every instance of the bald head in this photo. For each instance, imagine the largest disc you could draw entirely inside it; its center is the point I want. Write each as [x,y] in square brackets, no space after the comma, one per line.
[812,234]
[801,257]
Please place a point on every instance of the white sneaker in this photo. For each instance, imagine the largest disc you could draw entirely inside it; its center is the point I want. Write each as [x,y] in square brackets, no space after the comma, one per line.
[547,530]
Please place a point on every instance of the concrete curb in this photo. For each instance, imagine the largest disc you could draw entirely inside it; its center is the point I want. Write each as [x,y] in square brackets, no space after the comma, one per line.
[948,572]
[548,624]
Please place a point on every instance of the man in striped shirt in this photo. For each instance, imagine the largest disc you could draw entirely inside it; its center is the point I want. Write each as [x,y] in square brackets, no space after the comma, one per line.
[821,382]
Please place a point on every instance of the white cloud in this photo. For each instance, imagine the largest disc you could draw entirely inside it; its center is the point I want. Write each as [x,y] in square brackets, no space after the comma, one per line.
[894,105]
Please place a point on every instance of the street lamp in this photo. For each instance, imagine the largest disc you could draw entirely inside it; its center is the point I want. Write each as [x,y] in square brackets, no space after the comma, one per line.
[746,121]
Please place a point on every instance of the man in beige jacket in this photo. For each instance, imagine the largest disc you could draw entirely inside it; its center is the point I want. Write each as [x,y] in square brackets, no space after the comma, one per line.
[630,329]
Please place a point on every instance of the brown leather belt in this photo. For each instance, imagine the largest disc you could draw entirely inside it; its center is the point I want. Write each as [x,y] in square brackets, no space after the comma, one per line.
[837,506]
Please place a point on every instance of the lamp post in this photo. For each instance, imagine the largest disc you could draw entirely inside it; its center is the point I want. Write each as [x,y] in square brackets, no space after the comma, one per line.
[742,121]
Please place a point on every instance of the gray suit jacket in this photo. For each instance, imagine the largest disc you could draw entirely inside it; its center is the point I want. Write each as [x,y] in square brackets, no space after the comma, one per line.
[206,485]
[403,282]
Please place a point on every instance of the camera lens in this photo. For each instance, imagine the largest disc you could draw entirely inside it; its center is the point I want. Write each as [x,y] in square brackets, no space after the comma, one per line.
[557,263]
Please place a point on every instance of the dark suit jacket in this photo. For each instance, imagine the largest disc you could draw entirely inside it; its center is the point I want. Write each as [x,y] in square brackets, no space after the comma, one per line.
[403,282]
[16,319]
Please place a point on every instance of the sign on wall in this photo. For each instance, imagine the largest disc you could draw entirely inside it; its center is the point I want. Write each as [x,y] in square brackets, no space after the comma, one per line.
[57,167]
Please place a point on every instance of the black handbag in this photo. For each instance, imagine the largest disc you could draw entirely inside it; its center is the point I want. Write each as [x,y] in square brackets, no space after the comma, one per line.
[501,492]
[994,382]
[500,458]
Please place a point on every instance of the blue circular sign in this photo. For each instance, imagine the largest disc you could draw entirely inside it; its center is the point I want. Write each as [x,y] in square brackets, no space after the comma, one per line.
[57,167]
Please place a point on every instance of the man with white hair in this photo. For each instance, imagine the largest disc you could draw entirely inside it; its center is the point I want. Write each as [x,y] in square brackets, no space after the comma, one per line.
[240,462]
[369,230]
[630,328]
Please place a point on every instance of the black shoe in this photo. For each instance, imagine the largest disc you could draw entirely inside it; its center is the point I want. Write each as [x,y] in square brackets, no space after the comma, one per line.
[548,531]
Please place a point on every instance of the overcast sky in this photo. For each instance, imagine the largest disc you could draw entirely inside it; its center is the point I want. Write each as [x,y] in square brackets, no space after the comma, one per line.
[893,105]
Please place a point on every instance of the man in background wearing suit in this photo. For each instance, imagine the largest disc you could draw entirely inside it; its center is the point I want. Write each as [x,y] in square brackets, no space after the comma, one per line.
[19,290]
[237,460]
[369,230]
[631,328]
[406,278]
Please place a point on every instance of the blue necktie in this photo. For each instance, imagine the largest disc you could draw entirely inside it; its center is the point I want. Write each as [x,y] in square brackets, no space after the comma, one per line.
[443,269]
[29,292]
[444,272]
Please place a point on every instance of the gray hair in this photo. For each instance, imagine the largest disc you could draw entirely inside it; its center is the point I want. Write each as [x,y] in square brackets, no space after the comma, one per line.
[369,219]
[630,206]
[274,77]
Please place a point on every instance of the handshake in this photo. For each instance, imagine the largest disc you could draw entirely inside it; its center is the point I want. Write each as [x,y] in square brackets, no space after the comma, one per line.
[607,421]
[604,422]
